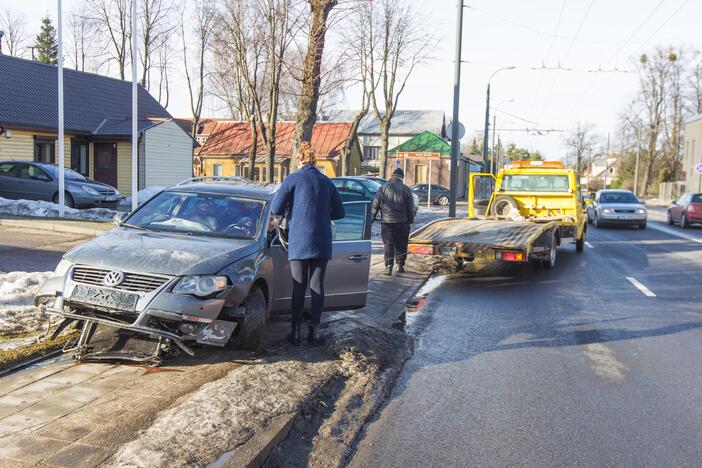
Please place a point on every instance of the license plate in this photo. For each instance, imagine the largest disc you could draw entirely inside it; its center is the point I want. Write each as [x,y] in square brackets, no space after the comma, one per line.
[111,198]
[105,297]
[447,250]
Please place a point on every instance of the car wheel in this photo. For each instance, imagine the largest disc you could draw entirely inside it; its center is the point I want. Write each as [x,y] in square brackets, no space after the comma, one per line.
[252,327]
[669,218]
[443,200]
[67,199]
[580,243]
[550,261]
[587,217]
[503,205]
[596,221]
[683,221]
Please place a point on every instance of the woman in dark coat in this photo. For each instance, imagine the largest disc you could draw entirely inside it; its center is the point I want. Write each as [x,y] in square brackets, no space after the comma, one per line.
[312,202]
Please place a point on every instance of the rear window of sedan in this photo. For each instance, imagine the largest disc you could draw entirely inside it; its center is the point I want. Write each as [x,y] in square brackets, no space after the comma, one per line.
[696,198]
[200,213]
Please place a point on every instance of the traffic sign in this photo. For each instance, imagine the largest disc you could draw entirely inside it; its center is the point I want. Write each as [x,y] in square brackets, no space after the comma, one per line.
[449,130]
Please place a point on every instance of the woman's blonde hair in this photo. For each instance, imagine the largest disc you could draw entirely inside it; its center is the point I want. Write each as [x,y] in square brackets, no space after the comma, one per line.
[306,154]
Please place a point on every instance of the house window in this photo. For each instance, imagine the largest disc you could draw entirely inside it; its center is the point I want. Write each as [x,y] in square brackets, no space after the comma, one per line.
[257,174]
[44,150]
[217,170]
[79,158]
[371,152]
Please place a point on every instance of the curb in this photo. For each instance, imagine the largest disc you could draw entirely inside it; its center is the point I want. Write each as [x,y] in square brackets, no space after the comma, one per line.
[92,228]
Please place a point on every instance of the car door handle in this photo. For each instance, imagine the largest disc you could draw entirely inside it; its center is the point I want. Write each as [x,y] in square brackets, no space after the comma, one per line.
[358,258]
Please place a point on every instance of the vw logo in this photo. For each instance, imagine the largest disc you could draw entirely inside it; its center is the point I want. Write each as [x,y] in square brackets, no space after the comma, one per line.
[113,278]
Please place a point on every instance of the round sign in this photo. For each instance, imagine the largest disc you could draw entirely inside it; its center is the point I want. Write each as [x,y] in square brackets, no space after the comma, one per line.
[461,130]
[698,168]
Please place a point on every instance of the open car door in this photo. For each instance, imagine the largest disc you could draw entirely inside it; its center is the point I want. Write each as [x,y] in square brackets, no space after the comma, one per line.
[346,281]
[481,186]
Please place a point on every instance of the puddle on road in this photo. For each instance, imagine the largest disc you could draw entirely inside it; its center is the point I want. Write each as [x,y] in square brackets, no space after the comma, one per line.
[415,305]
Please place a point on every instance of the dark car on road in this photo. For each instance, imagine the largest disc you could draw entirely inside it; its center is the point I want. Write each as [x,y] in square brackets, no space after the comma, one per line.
[439,193]
[38,181]
[616,207]
[363,188]
[686,210]
[200,262]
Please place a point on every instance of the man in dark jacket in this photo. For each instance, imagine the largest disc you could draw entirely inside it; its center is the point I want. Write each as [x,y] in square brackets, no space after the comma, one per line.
[395,203]
[312,202]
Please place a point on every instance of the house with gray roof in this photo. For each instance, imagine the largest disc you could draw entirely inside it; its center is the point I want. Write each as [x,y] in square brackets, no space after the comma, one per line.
[405,125]
[97,126]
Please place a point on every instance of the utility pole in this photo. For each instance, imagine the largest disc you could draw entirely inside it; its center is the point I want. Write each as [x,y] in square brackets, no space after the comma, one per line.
[606,163]
[493,163]
[487,115]
[135,110]
[455,144]
[638,156]
[61,156]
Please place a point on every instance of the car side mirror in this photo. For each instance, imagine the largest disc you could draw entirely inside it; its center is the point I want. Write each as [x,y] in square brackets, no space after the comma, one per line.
[119,218]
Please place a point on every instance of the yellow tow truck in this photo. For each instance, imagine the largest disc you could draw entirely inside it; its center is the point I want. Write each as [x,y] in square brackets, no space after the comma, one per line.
[523,214]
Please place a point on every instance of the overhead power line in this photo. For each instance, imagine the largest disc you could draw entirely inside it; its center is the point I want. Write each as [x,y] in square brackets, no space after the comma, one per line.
[550,48]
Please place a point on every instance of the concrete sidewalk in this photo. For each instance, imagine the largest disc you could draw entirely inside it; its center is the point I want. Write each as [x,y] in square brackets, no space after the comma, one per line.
[69,414]
[88,228]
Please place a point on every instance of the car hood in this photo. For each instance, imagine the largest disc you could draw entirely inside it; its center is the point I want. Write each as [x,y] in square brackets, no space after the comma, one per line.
[623,206]
[131,250]
[90,183]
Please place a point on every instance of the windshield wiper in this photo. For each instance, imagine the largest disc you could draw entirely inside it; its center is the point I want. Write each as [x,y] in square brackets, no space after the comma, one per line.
[134,226]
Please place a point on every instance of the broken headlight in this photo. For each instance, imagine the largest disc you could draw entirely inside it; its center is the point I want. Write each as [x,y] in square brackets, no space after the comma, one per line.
[200,285]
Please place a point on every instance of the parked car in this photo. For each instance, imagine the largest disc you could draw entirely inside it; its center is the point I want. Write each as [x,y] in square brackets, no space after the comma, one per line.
[616,207]
[439,193]
[363,188]
[686,210]
[200,262]
[39,181]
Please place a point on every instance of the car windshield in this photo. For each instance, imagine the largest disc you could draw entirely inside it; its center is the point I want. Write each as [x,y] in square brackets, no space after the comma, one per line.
[373,186]
[200,213]
[618,197]
[535,183]
[696,199]
[69,174]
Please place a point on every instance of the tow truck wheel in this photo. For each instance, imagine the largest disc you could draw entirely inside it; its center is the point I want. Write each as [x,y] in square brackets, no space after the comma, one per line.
[251,328]
[580,243]
[550,261]
[503,206]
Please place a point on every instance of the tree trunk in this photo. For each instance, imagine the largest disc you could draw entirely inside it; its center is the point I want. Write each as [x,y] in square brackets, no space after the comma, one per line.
[647,174]
[311,75]
[350,139]
[253,148]
[384,134]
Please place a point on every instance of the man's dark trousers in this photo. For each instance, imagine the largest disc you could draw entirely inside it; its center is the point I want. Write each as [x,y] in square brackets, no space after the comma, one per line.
[395,237]
[304,272]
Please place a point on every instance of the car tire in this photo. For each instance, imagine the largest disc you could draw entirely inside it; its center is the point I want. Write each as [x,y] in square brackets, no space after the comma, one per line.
[580,243]
[67,198]
[642,226]
[596,222]
[669,218]
[501,203]
[683,221]
[443,200]
[550,261]
[251,328]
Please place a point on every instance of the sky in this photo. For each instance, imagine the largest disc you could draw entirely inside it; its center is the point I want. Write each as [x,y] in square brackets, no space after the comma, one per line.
[581,35]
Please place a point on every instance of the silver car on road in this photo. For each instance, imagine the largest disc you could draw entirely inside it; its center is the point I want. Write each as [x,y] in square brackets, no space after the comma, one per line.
[200,262]
[616,207]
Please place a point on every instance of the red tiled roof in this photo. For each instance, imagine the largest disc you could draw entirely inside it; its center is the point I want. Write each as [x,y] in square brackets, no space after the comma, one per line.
[229,138]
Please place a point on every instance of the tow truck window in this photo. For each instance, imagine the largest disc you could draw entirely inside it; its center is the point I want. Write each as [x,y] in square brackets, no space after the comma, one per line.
[535,183]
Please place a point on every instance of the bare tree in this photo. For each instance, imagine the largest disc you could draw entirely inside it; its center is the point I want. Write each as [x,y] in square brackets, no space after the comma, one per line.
[157,27]
[404,42]
[113,20]
[203,19]
[13,24]
[82,41]
[311,73]
[164,69]
[581,142]
[695,80]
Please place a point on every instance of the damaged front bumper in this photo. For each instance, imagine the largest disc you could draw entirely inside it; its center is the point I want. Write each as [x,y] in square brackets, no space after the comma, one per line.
[170,318]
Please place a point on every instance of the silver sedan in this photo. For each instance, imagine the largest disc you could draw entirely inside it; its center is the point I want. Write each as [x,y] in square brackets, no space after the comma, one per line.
[616,207]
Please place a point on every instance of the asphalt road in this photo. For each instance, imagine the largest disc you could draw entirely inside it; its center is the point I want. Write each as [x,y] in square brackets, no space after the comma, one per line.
[34,250]
[574,366]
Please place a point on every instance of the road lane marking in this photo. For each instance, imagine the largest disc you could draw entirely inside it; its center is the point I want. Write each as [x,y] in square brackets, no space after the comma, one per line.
[673,232]
[603,362]
[640,286]
[589,245]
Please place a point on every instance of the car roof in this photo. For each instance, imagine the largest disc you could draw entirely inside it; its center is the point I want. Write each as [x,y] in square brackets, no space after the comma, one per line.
[615,191]
[243,189]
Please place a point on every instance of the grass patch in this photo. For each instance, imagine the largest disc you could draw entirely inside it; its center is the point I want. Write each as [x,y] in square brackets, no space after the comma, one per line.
[15,356]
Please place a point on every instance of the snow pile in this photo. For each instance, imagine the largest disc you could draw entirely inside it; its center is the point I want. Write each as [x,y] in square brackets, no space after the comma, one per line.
[143,195]
[45,209]
[17,290]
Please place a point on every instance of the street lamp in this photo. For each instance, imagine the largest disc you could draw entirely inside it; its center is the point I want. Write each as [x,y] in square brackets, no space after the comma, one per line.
[493,163]
[487,114]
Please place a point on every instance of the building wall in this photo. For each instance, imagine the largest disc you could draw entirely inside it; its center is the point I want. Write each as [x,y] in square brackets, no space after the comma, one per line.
[374,140]
[124,167]
[228,165]
[693,155]
[168,155]
[20,146]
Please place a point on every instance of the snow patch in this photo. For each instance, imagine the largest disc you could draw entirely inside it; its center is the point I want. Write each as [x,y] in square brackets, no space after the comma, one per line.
[45,209]
[142,196]
[17,290]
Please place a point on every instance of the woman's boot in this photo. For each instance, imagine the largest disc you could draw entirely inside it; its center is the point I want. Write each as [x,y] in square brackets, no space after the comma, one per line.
[294,336]
[313,336]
